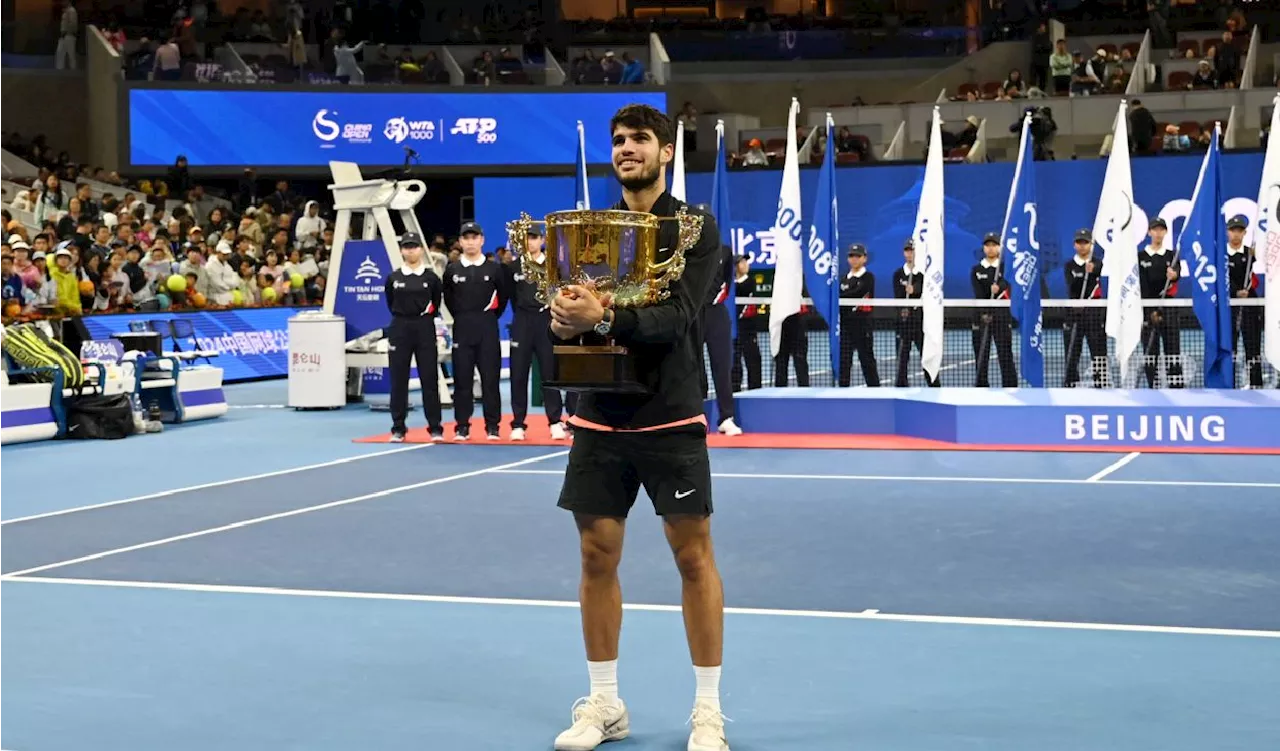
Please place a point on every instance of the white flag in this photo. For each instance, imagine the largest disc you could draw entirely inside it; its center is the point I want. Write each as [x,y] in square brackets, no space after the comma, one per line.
[1115,233]
[929,238]
[1266,240]
[788,229]
[677,166]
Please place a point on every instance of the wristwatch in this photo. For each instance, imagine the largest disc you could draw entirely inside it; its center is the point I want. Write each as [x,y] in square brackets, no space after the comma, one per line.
[606,324]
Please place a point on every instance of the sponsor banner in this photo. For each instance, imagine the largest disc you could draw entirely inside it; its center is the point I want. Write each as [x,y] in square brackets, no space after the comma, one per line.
[878,206]
[309,129]
[251,342]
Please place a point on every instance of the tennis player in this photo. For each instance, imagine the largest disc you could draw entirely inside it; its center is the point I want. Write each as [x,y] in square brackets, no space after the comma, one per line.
[658,440]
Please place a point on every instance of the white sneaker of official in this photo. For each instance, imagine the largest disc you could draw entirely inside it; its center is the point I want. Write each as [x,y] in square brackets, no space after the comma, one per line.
[708,728]
[558,431]
[729,427]
[517,434]
[595,720]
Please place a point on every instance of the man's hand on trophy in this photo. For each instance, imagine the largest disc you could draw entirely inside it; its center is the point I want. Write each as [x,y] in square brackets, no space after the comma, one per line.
[576,310]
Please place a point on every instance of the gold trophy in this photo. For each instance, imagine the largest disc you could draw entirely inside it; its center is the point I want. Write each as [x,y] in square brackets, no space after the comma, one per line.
[614,254]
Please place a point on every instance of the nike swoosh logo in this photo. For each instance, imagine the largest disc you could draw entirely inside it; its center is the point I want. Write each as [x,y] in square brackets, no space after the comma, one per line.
[684,494]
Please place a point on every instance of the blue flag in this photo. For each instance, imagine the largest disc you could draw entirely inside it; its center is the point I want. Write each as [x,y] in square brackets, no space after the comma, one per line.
[1203,243]
[720,210]
[821,264]
[1023,248]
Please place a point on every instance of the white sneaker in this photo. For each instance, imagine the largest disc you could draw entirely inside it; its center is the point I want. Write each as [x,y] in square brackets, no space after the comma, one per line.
[517,434]
[729,427]
[708,728]
[557,431]
[595,721]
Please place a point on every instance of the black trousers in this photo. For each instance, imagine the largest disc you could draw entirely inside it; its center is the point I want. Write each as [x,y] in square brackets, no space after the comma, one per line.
[1086,327]
[994,327]
[794,346]
[718,349]
[412,338]
[910,331]
[856,335]
[476,346]
[1162,330]
[1249,321]
[530,339]
[746,349]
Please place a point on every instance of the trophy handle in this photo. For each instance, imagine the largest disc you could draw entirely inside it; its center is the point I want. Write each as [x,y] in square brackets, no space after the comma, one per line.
[518,243]
[672,269]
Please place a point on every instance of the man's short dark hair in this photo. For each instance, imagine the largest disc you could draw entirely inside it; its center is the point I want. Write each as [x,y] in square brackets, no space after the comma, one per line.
[644,117]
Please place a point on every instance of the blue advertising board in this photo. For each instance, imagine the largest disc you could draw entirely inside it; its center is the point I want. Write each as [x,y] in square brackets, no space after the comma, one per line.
[251,342]
[878,206]
[284,128]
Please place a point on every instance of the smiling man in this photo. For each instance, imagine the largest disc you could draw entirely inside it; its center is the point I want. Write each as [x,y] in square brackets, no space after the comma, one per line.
[658,440]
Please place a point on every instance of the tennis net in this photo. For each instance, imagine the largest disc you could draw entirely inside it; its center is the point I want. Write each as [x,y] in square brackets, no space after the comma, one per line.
[881,342]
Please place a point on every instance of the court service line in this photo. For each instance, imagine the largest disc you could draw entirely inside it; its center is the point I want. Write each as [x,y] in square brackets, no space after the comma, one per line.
[284,515]
[908,478]
[864,615]
[1113,466]
[217,484]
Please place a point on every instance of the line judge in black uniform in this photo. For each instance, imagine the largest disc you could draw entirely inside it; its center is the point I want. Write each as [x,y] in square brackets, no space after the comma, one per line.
[1158,271]
[1244,285]
[746,347]
[413,296]
[717,337]
[1083,274]
[655,440]
[993,324]
[856,331]
[530,338]
[475,289]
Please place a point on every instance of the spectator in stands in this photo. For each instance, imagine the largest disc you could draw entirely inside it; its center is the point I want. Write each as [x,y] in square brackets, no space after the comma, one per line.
[10,281]
[1086,76]
[1226,61]
[632,69]
[1060,67]
[1204,77]
[87,205]
[51,200]
[754,155]
[1015,81]
[689,116]
[1158,18]
[64,276]
[1142,128]
[298,53]
[68,222]
[168,61]
[26,200]
[969,136]
[508,63]
[64,57]
[220,278]
[309,226]
[612,68]
[483,69]
[346,69]
[1174,140]
[114,35]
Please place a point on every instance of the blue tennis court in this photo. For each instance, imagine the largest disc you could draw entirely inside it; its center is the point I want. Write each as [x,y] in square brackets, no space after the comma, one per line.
[261,582]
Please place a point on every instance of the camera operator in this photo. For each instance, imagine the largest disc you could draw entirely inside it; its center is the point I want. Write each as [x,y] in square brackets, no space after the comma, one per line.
[1043,130]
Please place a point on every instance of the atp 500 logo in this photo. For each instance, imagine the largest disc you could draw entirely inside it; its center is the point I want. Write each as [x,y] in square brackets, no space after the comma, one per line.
[485,129]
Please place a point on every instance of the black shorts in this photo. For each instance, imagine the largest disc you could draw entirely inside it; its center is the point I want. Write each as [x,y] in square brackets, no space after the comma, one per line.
[606,471]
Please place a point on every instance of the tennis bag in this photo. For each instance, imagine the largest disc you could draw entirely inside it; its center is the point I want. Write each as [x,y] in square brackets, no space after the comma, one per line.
[96,416]
[29,346]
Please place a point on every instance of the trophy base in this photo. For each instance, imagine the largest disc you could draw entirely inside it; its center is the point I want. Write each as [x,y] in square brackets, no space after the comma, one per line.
[601,368]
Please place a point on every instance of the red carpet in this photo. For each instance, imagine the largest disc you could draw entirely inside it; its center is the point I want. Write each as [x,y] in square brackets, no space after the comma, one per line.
[538,435]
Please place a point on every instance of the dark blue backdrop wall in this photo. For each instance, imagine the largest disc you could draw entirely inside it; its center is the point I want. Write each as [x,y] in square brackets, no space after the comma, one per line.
[878,205]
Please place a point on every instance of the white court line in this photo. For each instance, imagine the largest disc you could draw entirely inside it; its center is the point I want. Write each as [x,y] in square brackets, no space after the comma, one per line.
[216,484]
[911,478]
[865,615]
[1112,467]
[283,515]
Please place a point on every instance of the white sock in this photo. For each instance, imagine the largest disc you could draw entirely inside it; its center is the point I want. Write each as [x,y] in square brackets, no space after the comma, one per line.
[708,689]
[604,678]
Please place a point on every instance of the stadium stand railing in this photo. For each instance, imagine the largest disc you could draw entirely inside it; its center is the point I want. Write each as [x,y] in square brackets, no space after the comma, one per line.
[972,335]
